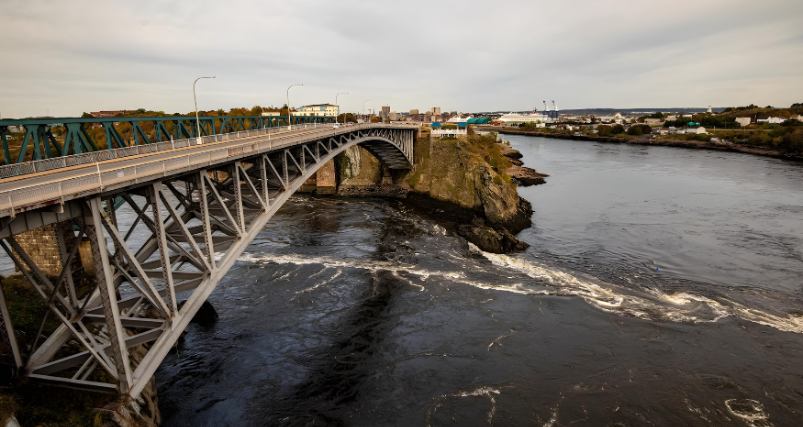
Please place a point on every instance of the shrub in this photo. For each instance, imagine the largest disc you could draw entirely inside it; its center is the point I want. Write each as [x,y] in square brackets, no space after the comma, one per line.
[639,130]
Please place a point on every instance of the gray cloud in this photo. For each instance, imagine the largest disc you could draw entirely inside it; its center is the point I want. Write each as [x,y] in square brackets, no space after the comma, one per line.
[84,55]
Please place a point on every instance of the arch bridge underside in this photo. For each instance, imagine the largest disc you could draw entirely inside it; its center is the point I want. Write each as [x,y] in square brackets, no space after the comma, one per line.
[159,248]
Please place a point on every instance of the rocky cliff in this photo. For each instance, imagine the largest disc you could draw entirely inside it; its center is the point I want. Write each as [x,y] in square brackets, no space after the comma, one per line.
[470,178]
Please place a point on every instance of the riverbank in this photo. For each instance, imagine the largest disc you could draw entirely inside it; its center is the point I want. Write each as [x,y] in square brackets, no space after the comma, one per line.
[705,145]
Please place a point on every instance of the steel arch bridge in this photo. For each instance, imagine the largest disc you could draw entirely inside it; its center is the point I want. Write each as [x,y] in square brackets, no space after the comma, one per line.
[190,213]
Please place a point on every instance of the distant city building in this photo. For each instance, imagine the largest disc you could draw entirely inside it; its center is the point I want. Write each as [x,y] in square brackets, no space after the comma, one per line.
[271,113]
[436,111]
[317,110]
[743,121]
[385,113]
[437,131]
[774,120]
[102,114]
[698,130]
[413,112]
[516,118]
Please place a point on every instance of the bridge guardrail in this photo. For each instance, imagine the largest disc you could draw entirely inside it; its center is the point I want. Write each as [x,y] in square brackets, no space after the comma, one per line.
[37,166]
[135,173]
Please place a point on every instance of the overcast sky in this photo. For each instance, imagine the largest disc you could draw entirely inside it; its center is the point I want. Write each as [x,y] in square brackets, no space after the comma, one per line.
[79,55]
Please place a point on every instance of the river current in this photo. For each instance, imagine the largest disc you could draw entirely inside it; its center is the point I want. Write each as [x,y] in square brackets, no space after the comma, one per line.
[663,287]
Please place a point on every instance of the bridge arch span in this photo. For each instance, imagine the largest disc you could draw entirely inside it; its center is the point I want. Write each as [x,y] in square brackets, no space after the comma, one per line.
[160,246]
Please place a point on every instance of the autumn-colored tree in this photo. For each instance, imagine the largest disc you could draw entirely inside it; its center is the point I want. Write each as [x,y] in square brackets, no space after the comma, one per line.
[639,130]
[346,117]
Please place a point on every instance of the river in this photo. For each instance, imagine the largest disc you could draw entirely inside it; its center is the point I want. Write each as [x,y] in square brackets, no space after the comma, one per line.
[662,287]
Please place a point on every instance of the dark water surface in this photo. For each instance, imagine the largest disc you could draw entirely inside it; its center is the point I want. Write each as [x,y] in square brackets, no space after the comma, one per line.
[663,287]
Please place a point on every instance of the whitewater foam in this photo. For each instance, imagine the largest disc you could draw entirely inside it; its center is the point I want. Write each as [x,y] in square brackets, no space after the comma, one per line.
[648,304]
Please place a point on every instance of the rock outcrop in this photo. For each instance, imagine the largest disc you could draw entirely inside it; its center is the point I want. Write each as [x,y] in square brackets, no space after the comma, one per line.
[471,175]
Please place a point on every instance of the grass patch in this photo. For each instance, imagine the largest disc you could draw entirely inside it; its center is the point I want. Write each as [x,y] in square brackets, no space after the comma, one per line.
[414,179]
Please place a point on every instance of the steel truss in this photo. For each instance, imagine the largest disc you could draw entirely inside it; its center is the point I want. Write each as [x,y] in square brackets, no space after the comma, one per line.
[196,226]
[40,137]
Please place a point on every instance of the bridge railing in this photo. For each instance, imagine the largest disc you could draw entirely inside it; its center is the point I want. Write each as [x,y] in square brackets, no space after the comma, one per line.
[37,166]
[39,139]
[94,181]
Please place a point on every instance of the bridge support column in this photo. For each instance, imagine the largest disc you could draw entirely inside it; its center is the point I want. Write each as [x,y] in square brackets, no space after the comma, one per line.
[327,181]
[8,341]
[108,295]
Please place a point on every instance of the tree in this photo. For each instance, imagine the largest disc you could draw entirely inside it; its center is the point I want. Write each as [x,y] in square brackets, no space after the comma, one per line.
[639,130]
[346,117]
[617,129]
[256,110]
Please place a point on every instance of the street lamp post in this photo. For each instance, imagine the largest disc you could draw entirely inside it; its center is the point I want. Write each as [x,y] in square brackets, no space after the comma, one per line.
[363,107]
[195,100]
[338,107]
[289,116]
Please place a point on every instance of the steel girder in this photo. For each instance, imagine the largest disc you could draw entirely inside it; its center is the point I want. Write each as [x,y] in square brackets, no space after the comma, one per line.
[40,141]
[196,226]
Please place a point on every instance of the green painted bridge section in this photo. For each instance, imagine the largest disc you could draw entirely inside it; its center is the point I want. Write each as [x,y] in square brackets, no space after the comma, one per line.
[46,138]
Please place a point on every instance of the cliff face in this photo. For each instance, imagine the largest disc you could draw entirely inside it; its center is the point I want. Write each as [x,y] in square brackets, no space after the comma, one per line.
[466,174]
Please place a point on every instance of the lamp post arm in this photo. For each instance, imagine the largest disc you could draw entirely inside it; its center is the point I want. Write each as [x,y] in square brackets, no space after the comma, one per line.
[195,101]
[289,116]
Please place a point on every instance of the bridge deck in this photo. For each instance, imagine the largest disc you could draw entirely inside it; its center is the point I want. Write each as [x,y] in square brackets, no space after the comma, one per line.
[31,191]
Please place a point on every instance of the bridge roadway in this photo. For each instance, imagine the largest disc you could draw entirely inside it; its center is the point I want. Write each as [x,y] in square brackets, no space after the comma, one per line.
[198,206]
[30,191]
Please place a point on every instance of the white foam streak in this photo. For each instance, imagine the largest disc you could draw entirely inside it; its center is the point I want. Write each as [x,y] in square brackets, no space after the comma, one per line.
[480,392]
[312,288]
[678,307]
[652,304]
